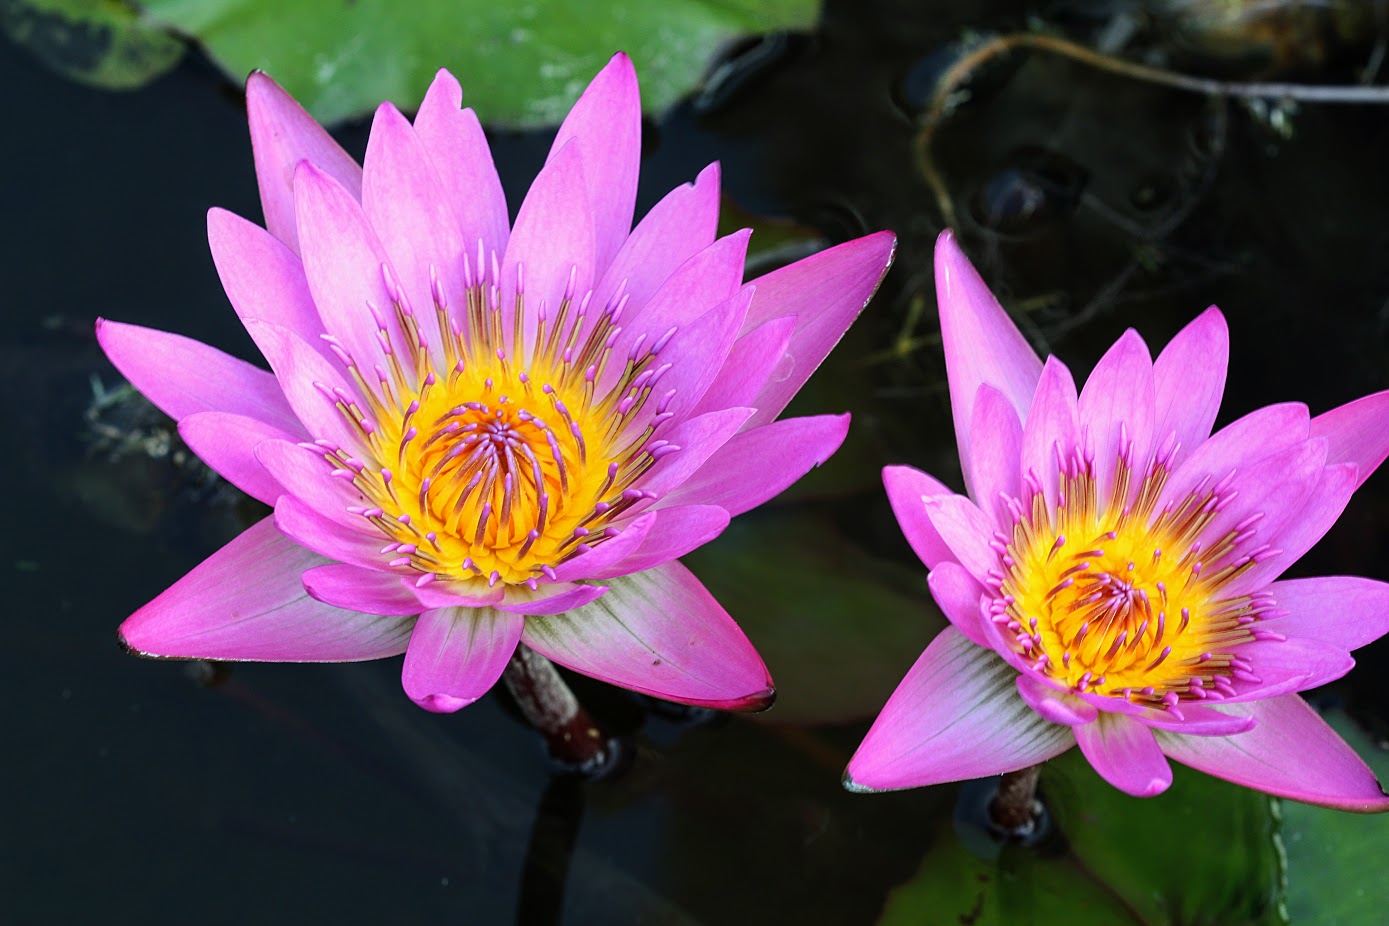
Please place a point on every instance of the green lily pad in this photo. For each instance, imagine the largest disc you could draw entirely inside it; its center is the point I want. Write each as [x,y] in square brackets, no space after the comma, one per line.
[837,627]
[520,64]
[102,43]
[1336,859]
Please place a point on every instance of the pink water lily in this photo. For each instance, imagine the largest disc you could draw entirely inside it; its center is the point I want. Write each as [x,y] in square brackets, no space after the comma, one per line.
[1112,577]
[479,434]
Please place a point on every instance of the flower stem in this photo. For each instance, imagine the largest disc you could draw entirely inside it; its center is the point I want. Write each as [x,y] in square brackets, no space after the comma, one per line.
[1015,810]
[575,741]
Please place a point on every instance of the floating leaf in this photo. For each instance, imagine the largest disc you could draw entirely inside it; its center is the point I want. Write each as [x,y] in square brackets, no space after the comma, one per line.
[837,627]
[1336,859]
[104,43]
[520,63]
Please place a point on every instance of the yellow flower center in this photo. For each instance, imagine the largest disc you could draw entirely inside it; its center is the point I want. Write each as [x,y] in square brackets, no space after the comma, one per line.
[482,470]
[1122,598]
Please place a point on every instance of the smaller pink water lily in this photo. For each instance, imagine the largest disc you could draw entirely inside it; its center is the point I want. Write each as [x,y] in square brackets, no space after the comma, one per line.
[479,434]
[1112,578]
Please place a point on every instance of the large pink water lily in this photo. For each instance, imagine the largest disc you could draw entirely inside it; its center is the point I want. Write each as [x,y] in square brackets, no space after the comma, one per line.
[1112,576]
[477,433]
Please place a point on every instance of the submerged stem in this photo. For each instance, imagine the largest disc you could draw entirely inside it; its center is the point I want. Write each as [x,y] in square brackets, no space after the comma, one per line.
[1015,810]
[546,701]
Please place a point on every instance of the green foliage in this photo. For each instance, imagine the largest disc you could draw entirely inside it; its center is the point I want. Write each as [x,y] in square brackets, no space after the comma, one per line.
[103,43]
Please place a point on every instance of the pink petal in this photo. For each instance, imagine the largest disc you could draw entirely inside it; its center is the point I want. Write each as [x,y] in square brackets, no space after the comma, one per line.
[446,594]
[311,529]
[307,476]
[607,554]
[1345,611]
[1055,705]
[757,465]
[551,244]
[1356,433]
[463,163]
[1197,720]
[907,491]
[1286,666]
[996,462]
[1240,444]
[227,443]
[246,602]
[967,532]
[282,135]
[1290,752]
[263,278]
[673,533]
[183,376]
[548,601]
[1189,380]
[303,375]
[756,357]
[1117,409]
[958,593]
[605,127]
[982,345]
[457,654]
[661,633]
[956,715]
[697,439]
[825,292]
[1126,754]
[370,591]
[1052,427]
[676,229]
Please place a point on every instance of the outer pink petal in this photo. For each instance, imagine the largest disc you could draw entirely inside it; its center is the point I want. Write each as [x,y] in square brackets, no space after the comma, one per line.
[1290,752]
[825,292]
[183,376]
[756,357]
[310,529]
[1189,379]
[304,474]
[673,533]
[966,530]
[282,135]
[956,715]
[1286,666]
[605,125]
[982,345]
[551,247]
[1051,426]
[303,375]
[1240,444]
[697,440]
[368,590]
[1055,705]
[907,491]
[1345,611]
[457,654]
[605,555]
[227,443]
[462,159]
[757,465]
[996,461]
[548,600]
[1126,754]
[958,593]
[263,278]
[246,602]
[448,594]
[1117,408]
[1197,720]
[661,633]
[677,228]
[1357,432]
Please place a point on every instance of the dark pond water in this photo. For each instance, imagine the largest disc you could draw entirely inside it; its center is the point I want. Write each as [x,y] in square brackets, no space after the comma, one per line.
[318,793]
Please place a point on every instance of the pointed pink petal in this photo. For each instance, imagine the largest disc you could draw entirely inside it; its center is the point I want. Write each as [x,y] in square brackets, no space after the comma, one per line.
[956,715]
[607,554]
[307,476]
[407,206]
[457,654]
[462,159]
[1345,611]
[697,439]
[1126,755]
[453,594]
[367,590]
[246,602]
[551,244]
[1286,666]
[227,443]
[982,345]
[756,357]
[605,126]
[825,292]
[303,374]
[263,278]
[183,376]
[1197,720]
[1189,381]
[673,533]
[967,532]
[549,601]
[282,135]
[1239,445]
[1054,705]
[758,465]
[1356,433]
[907,491]
[661,633]
[1290,752]
[696,353]
[958,593]
[996,461]
[1052,426]
[310,529]
[1117,409]
[677,228]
